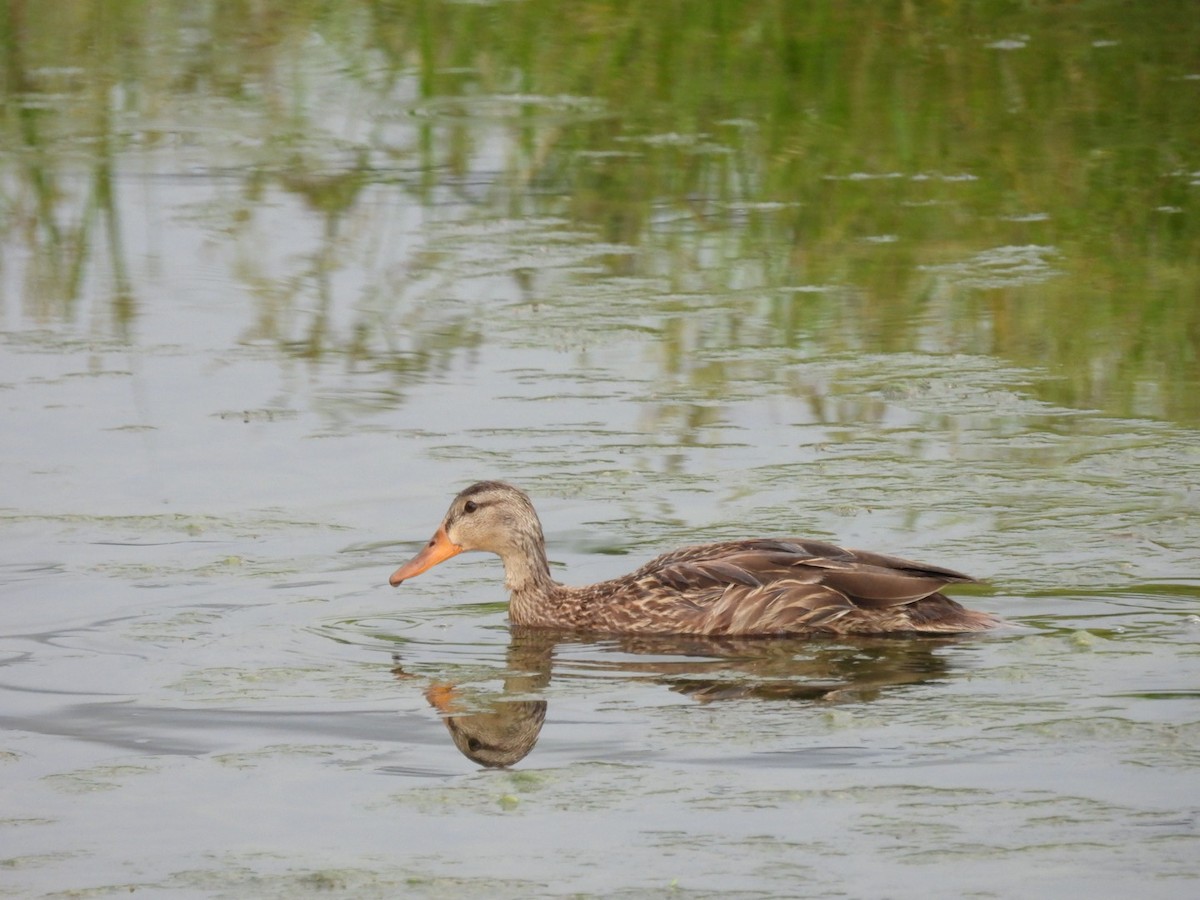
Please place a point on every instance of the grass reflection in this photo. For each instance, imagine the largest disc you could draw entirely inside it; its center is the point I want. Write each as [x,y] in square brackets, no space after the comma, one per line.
[807,175]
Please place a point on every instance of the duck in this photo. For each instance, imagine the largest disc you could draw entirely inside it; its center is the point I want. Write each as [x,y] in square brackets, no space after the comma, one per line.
[757,587]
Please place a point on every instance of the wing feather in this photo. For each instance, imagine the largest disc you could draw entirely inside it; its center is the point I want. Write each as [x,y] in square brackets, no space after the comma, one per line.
[781,585]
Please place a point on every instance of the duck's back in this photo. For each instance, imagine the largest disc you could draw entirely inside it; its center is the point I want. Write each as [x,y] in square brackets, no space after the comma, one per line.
[773,586]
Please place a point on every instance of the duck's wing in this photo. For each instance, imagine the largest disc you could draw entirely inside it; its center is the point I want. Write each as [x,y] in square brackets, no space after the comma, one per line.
[870,577]
[791,585]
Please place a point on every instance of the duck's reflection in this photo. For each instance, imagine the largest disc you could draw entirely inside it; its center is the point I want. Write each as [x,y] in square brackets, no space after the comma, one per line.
[500,736]
[497,729]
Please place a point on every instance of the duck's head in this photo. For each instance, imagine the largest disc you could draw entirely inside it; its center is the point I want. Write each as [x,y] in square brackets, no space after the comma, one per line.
[489,515]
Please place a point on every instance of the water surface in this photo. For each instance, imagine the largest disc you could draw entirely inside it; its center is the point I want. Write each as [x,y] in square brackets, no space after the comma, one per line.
[278,281]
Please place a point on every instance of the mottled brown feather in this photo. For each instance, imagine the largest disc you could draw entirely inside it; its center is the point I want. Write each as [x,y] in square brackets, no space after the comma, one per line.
[764,586]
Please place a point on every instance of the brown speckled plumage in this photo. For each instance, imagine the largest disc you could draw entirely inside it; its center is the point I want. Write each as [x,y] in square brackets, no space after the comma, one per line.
[761,586]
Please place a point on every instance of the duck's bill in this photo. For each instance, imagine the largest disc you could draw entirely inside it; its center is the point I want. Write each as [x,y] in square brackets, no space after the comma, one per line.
[437,550]
[444,697]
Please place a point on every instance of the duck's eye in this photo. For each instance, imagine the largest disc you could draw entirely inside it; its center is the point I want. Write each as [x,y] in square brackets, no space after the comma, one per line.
[470,506]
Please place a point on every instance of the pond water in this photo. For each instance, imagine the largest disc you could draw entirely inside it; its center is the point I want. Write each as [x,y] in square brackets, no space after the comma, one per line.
[279,280]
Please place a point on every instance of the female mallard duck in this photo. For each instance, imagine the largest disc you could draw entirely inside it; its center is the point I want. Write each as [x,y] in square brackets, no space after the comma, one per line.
[760,586]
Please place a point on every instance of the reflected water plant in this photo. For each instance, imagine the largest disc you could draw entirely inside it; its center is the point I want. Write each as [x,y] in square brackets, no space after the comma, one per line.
[832,175]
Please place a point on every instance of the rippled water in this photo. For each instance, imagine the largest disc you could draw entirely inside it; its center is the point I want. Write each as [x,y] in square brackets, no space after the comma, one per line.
[236,703]
[250,349]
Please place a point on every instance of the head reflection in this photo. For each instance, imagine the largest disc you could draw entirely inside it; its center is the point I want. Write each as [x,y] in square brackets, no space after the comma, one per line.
[500,735]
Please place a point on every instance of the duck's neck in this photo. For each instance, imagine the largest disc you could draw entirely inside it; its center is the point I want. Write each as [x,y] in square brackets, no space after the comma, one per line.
[527,577]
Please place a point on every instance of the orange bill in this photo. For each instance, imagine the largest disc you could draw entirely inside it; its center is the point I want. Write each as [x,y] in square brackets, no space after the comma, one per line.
[437,550]
[443,696]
